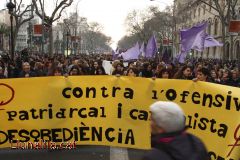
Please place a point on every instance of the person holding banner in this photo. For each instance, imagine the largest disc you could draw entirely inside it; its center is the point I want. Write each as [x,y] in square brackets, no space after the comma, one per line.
[1,73]
[26,71]
[184,73]
[203,74]
[132,72]
[169,139]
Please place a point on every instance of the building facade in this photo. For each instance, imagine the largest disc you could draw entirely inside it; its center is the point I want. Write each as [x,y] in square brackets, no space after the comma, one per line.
[76,41]
[25,33]
[192,12]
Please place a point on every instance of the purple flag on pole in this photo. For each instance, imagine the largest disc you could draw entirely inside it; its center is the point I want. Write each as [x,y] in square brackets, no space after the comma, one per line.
[192,38]
[151,48]
[211,42]
[115,54]
[181,57]
[132,53]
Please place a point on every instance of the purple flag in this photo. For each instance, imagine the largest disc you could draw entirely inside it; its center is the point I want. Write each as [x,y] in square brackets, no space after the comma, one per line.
[115,54]
[211,42]
[192,38]
[151,48]
[181,57]
[132,53]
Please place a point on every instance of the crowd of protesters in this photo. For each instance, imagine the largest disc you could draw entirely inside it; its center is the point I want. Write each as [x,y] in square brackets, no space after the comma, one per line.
[209,70]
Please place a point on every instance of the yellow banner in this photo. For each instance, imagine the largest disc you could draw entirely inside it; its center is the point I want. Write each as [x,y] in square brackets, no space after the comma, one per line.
[114,111]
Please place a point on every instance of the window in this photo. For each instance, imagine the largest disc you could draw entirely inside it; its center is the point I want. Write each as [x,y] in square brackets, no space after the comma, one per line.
[199,11]
[208,52]
[216,27]
[214,52]
[204,9]
[209,27]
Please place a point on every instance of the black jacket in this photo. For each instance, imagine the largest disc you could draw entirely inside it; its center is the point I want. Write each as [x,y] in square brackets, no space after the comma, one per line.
[176,146]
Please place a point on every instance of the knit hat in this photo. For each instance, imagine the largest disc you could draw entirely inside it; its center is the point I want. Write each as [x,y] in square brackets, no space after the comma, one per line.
[168,115]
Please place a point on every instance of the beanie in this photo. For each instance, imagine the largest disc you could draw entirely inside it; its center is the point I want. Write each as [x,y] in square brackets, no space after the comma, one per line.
[168,115]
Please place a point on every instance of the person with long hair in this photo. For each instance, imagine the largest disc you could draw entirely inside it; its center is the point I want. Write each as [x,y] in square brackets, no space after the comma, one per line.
[132,72]
[164,73]
[184,73]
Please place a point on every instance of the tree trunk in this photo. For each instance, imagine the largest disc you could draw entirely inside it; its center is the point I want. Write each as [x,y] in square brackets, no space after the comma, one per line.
[50,48]
[15,33]
[2,41]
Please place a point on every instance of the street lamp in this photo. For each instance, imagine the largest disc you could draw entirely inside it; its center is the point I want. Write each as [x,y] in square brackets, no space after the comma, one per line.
[68,33]
[10,7]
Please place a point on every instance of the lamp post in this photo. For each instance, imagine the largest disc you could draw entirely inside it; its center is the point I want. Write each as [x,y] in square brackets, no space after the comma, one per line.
[10,7]
[68,33]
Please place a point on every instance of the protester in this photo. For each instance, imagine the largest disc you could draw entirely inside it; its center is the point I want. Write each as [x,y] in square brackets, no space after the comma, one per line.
[226,78]
[164,73]
[235,78]
[1,73]
[100,71]
[147,71]
[132,72]
[118,70]
[74,71]
[184,73]
[26,72]
[202,75]
[93,69]
[169,139]
[214,77]
[36,65]
[58,71]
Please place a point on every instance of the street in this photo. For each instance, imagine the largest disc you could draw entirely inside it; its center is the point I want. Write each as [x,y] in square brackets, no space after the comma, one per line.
[80,153]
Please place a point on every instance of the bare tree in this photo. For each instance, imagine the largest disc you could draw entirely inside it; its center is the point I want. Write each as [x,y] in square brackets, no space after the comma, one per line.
[225,12]
[49,20]
[96,41]
[135,22]
[142,26]
[21,15]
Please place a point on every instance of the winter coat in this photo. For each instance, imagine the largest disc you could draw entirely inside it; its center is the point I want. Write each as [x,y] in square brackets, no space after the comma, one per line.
[176,146]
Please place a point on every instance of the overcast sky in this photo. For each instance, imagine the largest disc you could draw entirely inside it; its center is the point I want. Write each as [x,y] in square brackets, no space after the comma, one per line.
[109,13]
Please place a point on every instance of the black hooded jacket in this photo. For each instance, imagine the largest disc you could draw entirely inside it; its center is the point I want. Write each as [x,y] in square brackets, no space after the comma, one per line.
[176,146]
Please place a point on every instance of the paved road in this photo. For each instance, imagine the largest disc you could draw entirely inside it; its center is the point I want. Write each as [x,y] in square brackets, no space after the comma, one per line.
[80,153]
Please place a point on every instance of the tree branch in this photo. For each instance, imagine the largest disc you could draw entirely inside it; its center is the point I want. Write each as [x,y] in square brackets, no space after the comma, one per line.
[203,1]
[19,5]
[26,10]
[37,8]
[60,14]
[62,3]
[26,20]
